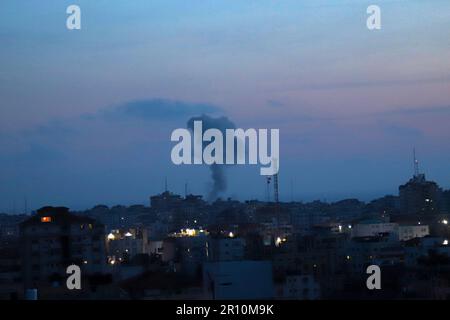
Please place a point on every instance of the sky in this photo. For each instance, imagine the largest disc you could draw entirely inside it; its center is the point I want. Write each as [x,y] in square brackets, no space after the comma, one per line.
[86,115]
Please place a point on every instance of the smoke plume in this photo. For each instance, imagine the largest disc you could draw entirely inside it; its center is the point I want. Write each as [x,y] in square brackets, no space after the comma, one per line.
[219,179]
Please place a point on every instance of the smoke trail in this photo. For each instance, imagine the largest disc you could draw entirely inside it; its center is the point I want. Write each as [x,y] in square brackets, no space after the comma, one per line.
[219,179]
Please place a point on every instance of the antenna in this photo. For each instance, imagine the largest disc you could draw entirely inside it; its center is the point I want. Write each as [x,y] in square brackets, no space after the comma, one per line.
[275,181]
[185,189]
[275,186]
[416,163]
[165,184]
[269,178]
[276,198]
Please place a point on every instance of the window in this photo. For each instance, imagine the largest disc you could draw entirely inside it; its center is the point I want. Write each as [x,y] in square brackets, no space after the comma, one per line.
[46,219]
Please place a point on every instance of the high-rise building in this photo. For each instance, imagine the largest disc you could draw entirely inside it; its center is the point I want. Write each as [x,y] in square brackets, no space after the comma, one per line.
[53,239]
[225,248]
[165,201]
[419,196]
[123,245]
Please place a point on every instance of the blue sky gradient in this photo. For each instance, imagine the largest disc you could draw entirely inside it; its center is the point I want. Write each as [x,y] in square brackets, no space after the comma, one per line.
[86,116]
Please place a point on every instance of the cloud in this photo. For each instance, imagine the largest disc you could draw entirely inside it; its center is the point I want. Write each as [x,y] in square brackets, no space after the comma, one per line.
[402,131]
[93,132]
[275,103]
[158,109]
[419,110]
[374,83]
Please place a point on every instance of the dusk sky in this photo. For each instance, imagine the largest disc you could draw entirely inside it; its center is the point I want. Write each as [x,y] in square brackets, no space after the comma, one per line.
[86,115]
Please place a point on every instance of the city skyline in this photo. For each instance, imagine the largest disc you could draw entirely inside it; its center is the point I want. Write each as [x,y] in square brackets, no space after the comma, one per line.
[268,197]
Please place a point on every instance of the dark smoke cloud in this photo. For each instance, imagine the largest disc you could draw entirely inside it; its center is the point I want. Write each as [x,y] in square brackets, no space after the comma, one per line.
[219,179]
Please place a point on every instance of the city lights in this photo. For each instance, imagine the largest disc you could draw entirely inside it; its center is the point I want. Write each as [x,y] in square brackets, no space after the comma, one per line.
[140,157]
[278,241]
[188,232]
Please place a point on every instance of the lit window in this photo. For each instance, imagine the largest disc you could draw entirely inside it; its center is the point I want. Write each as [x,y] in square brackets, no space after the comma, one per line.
[46,219]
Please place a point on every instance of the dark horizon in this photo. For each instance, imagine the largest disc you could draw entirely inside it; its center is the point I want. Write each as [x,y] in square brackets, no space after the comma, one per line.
[283,199]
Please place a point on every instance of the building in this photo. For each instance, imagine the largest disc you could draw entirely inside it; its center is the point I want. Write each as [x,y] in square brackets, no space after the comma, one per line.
[371,228]
[305,217]
[165,201]
[419,196]
[10,271]
[123,245]
[186,250]
[300,287]
[320,255]
[421,247]
[238,280]
[382,250]
[347,209]
[225,249]
[406,233]
[53,239]
[9,225]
